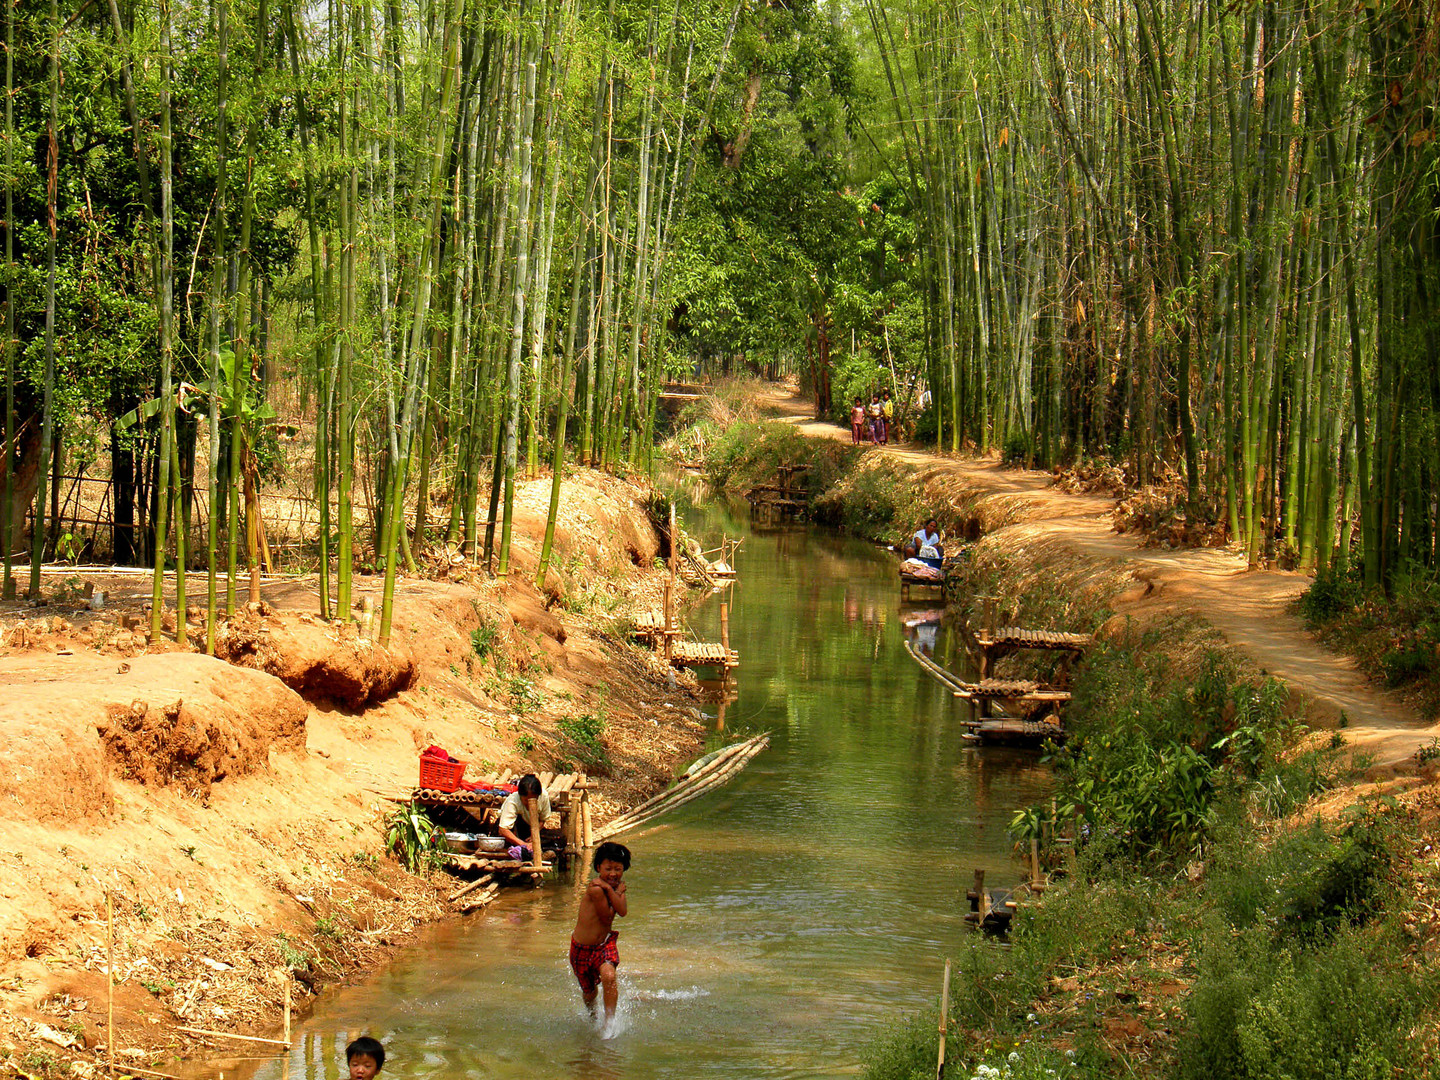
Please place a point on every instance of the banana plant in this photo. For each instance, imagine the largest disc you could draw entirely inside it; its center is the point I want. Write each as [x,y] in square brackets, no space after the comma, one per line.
[254,415]
[412,837]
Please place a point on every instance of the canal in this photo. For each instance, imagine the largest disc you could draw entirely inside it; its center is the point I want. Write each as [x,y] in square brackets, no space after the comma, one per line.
[775,927]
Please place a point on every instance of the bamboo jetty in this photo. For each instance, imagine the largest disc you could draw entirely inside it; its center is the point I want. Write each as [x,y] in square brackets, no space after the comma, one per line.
[711,772]
[1031,715]
[781,500]
[992,910]
[662,631]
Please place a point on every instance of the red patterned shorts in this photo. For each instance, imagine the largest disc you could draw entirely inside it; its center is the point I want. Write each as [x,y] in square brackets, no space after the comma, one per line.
[585,960]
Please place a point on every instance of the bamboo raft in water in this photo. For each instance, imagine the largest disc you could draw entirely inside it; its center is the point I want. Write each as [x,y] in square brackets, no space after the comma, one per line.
[713,773]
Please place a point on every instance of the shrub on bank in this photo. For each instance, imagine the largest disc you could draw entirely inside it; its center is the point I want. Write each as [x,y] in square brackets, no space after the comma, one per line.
[751,452]
[1396,637]
[876,499]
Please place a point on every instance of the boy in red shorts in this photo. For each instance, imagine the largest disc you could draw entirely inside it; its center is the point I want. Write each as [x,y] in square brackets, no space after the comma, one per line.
[593,953]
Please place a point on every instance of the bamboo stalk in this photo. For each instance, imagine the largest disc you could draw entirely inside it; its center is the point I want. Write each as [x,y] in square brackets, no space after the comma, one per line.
[944,1020]
[230,1035]
[470,887]
[109,984]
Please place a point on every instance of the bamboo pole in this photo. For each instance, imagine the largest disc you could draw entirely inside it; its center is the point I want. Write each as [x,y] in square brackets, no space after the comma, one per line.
[229,1035]
[714,776]
[720,758]
[532,814]
[109,984]
[287,1008]
[944,1018]
[484,879]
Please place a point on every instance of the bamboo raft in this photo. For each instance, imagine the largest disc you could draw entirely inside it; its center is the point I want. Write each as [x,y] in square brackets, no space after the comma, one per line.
[707,774]
[662,631]
[1013,731]
[992,910]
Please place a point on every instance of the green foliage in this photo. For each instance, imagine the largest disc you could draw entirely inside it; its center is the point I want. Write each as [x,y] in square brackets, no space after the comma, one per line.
[328,926]
[855,375]
[484,639]
[1329,596]
[1143,766]
[295,959]
[876,500]
[584,734]
[412,837]
[907,1051]
[1018,448]
[42,1063]
[750,452]
[1342,1009]
[1396,637]
[525,698]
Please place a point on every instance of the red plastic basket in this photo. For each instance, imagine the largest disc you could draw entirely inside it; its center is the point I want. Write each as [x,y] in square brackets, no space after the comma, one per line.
[438,775]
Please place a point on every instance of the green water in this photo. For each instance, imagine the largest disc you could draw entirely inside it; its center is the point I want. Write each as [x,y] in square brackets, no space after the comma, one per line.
[776,927]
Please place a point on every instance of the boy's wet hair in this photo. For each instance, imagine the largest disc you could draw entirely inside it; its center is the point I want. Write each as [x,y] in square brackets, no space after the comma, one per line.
[365,1046]
[614,852]
[529,786]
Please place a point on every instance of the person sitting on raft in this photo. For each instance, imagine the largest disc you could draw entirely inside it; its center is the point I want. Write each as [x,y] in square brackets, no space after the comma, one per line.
[514,824]
[925,547]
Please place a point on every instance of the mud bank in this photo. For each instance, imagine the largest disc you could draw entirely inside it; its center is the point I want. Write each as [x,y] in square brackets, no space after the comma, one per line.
[232,805]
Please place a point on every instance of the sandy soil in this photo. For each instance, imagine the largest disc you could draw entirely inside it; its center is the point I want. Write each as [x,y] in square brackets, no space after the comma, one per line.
[1250,607]
[231,806]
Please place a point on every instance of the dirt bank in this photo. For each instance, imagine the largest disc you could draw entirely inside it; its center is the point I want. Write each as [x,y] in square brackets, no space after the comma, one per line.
[232,806]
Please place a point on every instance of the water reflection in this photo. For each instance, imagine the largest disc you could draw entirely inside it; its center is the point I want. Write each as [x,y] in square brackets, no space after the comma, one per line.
[776,925]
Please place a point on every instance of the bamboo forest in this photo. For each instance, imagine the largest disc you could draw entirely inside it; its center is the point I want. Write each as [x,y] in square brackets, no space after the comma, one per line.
[474,238]
[955,487]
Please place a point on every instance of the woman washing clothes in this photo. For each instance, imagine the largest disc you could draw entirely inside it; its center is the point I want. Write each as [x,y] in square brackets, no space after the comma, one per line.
[924,555]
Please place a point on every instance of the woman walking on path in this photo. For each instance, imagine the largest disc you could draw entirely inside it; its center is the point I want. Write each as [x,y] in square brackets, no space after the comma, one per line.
[877,420]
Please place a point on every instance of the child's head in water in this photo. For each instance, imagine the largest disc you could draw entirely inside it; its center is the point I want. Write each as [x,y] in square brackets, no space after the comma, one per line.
[365,1057]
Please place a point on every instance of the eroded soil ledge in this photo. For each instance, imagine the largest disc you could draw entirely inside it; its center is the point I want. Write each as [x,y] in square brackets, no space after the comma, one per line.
[231,805]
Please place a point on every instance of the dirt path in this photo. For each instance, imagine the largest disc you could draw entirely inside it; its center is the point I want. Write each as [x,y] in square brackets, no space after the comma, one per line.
[1248,606]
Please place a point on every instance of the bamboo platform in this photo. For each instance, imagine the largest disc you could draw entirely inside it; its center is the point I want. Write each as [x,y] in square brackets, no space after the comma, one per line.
[704,654]
[1013,731]
[487,864]
[1014,637]
[1020,695]
[907,580]
[651,628]
[991,643]
[781,499]
[992,910]
[1017,692]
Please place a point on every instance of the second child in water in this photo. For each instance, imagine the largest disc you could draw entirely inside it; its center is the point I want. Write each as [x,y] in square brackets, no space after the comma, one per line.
[594,955]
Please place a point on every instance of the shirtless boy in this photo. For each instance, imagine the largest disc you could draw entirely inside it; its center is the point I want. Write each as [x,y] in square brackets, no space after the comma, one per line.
[593,952]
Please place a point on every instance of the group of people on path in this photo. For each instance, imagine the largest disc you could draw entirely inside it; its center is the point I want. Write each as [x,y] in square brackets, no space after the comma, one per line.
[871,423]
